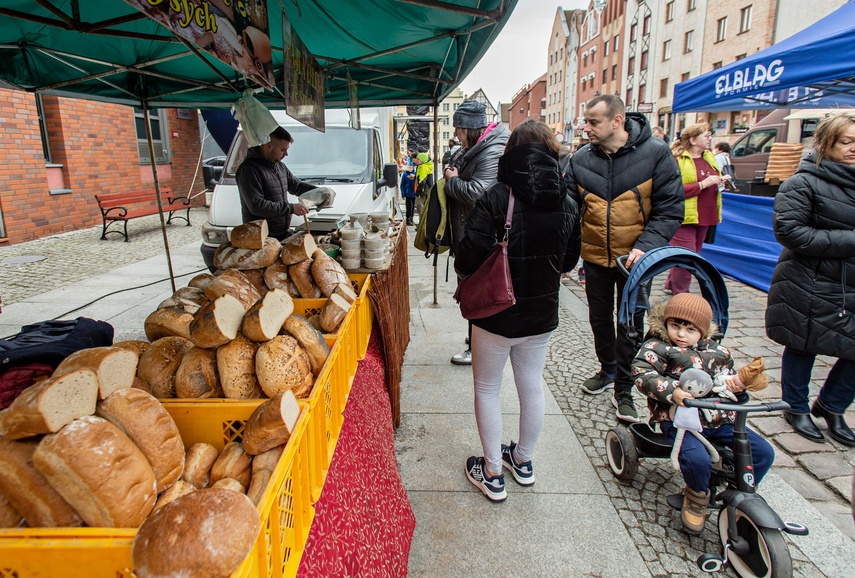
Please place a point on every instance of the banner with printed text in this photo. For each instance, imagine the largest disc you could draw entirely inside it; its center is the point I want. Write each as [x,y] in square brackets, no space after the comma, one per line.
[234,31]
[304,80]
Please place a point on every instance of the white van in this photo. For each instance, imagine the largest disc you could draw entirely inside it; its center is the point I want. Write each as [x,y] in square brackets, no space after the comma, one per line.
[354,163]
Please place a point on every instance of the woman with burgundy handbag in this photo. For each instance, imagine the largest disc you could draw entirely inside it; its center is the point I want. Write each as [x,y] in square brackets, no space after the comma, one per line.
[543,242]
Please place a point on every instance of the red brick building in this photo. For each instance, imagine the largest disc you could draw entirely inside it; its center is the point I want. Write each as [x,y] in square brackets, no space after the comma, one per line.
[529,103]
[47,185]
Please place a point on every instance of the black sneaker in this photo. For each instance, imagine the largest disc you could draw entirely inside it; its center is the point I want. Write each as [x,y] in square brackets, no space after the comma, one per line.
[523,473]
[492,487]
[599,383]
[625,408]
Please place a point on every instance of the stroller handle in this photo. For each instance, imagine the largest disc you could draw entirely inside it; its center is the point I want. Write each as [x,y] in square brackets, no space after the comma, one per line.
[621,264]
[717,405]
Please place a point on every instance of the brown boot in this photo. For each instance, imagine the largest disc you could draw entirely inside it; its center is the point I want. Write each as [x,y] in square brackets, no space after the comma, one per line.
[694,512]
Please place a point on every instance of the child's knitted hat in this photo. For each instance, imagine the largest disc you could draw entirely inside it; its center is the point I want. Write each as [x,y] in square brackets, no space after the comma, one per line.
[692,308]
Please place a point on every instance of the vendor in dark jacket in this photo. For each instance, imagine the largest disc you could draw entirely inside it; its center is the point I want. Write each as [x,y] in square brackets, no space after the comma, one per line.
[630,195]
[543,242]
[811,304]
[264,183]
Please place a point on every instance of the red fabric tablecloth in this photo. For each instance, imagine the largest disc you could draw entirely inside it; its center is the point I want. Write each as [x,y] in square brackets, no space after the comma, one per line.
[363,522]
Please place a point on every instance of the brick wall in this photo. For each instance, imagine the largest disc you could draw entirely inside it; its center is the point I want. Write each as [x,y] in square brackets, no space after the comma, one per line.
[96,145]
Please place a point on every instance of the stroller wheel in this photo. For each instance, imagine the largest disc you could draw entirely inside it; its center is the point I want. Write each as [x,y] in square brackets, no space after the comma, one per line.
[622,453]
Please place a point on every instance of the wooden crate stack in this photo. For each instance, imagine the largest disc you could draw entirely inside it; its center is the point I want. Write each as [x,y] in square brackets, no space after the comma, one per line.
[783,161]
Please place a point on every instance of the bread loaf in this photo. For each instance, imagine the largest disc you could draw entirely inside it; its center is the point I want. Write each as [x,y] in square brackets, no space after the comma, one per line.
[143,419]
[140,384]
[297,248]
[217,323]
[264,319]
[257,486]
[99,471]
[9,516]
[345,291]
[301,276]
[190,299]
[256,279]
[175,491]
[271,424]
[115,367]
[276,277]
[197,376]
[236,366]
[28,492]
[281,364]
[51,404]
[310,339]
[315,321]
[201,281]
[250,235]
[204,534]
[333,313]
[197,464]
[233,463]
[235,283]
[267,460]
[138,346]
[228,256]
[229,484]
[159,364]
[327,273]
[167,322]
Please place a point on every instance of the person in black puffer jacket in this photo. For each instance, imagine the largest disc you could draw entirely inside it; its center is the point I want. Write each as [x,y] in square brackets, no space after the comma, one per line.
[543,243]
[811,304]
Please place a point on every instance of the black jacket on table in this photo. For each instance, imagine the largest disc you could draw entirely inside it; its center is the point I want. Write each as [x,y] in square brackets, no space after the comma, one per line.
[264,188]
[811,303]
[632,199]
[543,241]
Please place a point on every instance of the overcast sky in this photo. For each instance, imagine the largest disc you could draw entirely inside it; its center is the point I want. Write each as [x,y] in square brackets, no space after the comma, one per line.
[519,55]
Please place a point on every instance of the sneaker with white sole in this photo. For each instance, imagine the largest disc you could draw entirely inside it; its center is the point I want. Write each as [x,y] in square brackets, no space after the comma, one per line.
[600,382]
[464,358]
[523,473]
[625,408]
[491,486]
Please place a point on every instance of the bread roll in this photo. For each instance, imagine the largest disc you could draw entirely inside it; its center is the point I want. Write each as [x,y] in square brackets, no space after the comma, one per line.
[333,313]
[267,460]
[9,516]
[310,339]
[345,291]
[51,404]
[264,319]
[276,277]
[197,464]
[327,273]
[159,364]
[99,471]
[115,367]
[301,276]
[175,491]
[258,485]
[271,424]
[297,248]
[250,235]
[204,534]
[235,283]
[167,322]
[28,492]
[236,366]
[143,419]
[281,364]
[197,376]
[138,346]
[233,463]
[229,484]
[228,256]
[201,281]
[217,323]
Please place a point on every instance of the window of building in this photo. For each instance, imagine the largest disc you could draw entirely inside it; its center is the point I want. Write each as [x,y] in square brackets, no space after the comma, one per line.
[593,24]
[594,55]
[740,57]
[446,135]
[645,28]
[684,77]
[43,129]
[644,60]
[631,65]
[688,41]
[669,11]
[628,101]
[615,43]
[559,76]
[745,19]
[522,110]
[721,29]
[157,121]
[642,89]
[633,32]
[445,120]
[605,76]
[445,107]
[663,88]
[585,60]
[606,49]
[614,72]
[584,83]
[550,60]
[561,53]
[666,50]
[691,5]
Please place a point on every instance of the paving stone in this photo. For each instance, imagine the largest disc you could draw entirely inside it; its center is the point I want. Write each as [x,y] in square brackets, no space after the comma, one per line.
[825,465]
[842,485]
[808,486]
[769,426]
[796,444]
[784,460]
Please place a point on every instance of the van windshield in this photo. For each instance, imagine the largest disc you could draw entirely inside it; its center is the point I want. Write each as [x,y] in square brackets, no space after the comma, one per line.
[339,153]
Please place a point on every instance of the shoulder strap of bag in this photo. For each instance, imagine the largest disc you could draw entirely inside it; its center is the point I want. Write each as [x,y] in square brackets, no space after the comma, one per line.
[510,216]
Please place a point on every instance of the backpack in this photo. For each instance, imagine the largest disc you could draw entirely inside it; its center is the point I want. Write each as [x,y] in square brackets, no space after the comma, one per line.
[433,235]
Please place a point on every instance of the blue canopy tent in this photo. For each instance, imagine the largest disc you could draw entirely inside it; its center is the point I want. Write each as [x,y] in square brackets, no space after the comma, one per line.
[810,69]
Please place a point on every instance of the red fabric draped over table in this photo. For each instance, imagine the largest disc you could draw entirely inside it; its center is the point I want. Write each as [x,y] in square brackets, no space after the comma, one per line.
[363,522]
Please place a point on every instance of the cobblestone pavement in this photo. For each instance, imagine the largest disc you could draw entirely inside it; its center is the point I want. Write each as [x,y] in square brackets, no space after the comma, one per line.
[69,256]
[822,473]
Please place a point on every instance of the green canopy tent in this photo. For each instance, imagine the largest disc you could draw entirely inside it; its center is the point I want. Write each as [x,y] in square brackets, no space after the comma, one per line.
[396,51]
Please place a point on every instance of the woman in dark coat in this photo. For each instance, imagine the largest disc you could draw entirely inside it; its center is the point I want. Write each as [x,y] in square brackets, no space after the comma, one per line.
[811,307]
[543,242]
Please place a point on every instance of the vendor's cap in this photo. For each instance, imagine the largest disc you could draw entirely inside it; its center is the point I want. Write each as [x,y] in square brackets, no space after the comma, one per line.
[470,114]
[423,157]
[692,308]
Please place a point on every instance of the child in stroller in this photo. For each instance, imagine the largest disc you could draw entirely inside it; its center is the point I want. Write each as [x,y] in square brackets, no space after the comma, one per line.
[680,337]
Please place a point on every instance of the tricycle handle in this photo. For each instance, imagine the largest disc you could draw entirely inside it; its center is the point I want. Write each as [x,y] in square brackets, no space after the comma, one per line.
[715,404]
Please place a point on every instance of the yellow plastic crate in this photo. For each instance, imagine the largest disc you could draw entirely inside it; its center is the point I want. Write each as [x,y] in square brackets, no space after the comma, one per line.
[285,509]
[364,313]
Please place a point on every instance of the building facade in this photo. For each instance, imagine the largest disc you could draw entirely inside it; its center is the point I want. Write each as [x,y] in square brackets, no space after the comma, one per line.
[574,19]
[555,73]
[529,103]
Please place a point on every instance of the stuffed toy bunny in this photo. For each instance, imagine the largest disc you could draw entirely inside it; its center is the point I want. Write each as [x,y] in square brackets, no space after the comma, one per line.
[687,419]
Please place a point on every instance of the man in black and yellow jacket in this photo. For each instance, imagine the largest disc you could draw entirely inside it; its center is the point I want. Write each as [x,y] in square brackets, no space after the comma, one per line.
[630,194]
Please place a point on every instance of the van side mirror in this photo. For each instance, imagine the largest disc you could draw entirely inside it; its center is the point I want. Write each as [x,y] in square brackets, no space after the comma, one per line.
[390,176]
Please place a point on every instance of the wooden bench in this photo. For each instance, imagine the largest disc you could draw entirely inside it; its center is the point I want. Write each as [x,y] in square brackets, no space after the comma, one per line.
[122,207]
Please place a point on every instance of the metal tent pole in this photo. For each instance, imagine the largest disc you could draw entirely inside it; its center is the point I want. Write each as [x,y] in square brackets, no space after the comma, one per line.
[435,166]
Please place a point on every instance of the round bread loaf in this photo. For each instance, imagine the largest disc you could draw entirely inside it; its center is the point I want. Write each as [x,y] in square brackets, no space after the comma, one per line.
[168,321]
[197,376]
[201,281]
[9,516]
[174,492]
[218,322]
[143,419]
[115,367]
[159,364]
[236,366]
[256,279]
[310,339]
[282,364]
[228,256]
[301,275]
[276,277]
[138,346]
[204,534]
[250,235]
[327,273]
